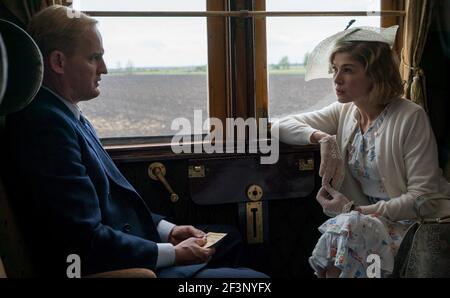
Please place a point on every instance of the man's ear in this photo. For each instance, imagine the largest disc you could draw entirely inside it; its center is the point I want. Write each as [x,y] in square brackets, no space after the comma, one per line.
[56,61]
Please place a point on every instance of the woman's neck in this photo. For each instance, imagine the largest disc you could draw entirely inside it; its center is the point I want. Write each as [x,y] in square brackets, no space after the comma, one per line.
[368,113]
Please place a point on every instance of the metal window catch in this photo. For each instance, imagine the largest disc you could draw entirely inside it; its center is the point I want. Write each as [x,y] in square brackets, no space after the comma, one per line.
[157,171]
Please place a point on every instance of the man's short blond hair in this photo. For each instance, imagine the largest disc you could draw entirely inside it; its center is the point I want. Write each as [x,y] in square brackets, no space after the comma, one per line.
[58,27]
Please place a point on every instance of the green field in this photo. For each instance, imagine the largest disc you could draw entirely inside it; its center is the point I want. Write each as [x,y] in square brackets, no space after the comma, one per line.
[293,70]
[197,70]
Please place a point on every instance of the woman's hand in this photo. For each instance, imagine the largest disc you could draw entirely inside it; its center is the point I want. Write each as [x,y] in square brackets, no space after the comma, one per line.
[332,201]
[332,168]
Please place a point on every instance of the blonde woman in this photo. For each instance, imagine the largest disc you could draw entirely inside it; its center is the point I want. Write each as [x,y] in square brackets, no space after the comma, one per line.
[378,153]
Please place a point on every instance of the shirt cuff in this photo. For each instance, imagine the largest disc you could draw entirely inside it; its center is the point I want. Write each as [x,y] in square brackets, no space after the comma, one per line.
[164,228]
[166,255]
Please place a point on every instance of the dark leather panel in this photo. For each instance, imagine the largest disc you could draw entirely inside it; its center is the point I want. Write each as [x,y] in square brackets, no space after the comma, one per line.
[293,214]
[227,179]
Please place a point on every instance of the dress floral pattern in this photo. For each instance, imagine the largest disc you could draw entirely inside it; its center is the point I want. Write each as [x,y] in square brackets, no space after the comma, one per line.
[362,161]
[348,239]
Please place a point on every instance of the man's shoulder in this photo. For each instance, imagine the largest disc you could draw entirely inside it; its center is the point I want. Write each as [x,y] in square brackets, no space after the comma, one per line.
[44,107]
[46,102]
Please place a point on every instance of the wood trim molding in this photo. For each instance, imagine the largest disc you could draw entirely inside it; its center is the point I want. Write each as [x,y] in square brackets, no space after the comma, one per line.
[242,58]
[261,83]
[154,152]
[387,21]
[218,62]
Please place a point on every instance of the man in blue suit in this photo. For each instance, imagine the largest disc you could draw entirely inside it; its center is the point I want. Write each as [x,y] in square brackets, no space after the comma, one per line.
[72,196]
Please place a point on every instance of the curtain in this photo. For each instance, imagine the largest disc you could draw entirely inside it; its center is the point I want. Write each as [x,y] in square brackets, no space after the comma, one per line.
[444,30]
[24,10]
[417,22]
[436,64]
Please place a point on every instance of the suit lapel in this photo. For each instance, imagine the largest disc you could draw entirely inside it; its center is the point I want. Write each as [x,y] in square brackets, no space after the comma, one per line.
[106,162]
[103,157]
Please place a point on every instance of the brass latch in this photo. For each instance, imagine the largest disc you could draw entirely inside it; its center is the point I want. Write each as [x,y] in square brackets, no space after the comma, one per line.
[255,229]
[254,193]
[306,164]
[157,171]
[197,171]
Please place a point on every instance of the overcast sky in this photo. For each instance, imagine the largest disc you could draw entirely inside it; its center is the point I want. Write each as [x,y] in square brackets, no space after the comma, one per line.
[182,41]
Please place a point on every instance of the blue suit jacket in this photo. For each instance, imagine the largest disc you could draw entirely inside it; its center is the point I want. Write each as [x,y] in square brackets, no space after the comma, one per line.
[71,196]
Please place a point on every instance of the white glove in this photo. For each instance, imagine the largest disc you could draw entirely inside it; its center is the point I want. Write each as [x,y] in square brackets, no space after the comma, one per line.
[332,168]
[332,201]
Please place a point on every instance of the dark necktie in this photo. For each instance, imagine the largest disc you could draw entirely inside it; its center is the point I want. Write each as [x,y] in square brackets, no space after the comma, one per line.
[89,128]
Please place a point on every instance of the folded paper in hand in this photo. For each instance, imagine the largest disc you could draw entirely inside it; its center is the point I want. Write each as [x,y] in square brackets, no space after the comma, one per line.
[213,238]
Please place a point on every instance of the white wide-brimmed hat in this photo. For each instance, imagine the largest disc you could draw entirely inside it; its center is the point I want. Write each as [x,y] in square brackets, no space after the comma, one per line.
[318,65]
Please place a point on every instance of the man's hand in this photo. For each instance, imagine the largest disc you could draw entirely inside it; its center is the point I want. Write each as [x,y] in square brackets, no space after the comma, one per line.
[332,168]
[191,251]
[181,233]
[332,201]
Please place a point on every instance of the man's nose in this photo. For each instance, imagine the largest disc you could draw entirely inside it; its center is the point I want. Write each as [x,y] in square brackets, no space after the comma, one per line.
[102,67]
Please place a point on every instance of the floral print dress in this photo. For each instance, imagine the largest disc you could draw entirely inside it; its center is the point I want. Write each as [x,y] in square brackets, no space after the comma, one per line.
[348,239]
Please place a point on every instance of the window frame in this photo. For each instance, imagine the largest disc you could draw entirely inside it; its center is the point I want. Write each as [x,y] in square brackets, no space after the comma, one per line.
[237,59]
[261,100]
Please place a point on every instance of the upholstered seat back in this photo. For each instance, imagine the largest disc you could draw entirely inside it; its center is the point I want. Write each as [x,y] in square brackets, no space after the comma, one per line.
[21,73]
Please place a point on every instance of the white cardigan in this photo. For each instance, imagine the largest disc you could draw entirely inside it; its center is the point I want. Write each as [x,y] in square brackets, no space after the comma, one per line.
[406,153]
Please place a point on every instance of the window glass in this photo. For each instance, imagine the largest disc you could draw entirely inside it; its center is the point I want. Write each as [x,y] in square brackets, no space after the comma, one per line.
[157,71]
[140,5]
[290,39]
[323,5]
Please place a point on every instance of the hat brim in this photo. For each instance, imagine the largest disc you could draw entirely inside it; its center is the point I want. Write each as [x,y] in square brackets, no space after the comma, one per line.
[318,65]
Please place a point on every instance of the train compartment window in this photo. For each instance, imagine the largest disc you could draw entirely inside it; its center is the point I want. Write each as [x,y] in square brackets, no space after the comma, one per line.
[227,59]
[288,50]
[157,67]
